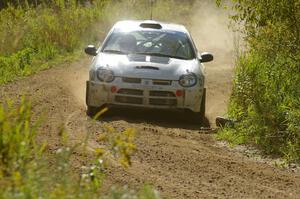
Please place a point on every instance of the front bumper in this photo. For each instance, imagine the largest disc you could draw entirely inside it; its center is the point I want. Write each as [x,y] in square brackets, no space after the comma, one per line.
[162,94]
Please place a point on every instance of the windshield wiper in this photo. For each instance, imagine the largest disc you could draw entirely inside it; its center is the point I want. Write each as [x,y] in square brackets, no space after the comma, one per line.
[115,52]
[161,55]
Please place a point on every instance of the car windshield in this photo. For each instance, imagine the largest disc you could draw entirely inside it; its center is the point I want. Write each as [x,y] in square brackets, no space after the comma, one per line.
[148,42]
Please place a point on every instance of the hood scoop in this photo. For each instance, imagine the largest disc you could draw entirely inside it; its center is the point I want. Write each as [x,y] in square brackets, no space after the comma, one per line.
[147,67]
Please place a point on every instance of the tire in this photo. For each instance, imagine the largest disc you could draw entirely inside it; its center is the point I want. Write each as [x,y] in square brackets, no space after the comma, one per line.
[199,117]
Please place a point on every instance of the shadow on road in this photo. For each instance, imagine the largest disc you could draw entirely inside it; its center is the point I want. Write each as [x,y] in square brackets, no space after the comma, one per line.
[163,118]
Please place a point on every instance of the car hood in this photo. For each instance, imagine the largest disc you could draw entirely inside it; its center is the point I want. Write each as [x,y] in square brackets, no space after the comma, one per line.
[142,66]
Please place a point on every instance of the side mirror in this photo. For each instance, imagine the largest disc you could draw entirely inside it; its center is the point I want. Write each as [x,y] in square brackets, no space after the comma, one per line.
[91,50]
[206,57]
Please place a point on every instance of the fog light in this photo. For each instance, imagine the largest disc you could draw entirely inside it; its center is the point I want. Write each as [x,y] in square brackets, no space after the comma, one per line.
[113,89]
[179,93]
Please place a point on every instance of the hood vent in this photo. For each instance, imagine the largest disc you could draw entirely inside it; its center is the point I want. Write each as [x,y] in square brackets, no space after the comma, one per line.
[148,67]
[151,24]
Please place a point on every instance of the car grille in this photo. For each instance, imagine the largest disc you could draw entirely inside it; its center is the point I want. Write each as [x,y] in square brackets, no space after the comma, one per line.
[162,98]
[146,97]
[130,92]
[132,80]
[161,82]
[161,94]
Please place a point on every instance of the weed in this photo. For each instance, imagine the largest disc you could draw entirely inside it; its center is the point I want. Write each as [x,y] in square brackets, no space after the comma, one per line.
[25,164]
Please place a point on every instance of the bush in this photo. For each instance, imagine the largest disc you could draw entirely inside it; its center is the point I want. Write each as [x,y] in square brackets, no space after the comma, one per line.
[266,95]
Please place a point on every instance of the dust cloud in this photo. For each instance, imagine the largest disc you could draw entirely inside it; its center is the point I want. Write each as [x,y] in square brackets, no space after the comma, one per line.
[75,78]
[210,28]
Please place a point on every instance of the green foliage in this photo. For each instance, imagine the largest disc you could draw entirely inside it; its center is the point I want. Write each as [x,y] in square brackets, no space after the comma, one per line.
[266,95]
[17,140]
[121,144]
[25,165]
[31,36]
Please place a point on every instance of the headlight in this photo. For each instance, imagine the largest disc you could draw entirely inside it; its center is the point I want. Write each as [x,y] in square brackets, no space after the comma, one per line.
[188,80]
[105,75]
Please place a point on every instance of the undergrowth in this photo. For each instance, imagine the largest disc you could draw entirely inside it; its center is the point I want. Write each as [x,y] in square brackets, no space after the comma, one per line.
[34,35]
[25,163]
[265,101]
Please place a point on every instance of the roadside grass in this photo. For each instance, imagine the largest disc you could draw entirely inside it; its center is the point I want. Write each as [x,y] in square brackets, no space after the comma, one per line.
[25,164]
[265,100]
[32,37]
[266,105]
[11,72]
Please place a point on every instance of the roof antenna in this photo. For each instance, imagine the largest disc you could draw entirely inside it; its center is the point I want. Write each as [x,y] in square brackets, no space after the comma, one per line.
[151,5]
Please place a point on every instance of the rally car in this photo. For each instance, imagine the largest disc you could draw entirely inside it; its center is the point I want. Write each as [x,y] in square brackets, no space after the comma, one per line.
[147,64]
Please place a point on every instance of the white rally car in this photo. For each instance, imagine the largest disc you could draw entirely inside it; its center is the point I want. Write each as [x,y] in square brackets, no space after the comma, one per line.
[147,64]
